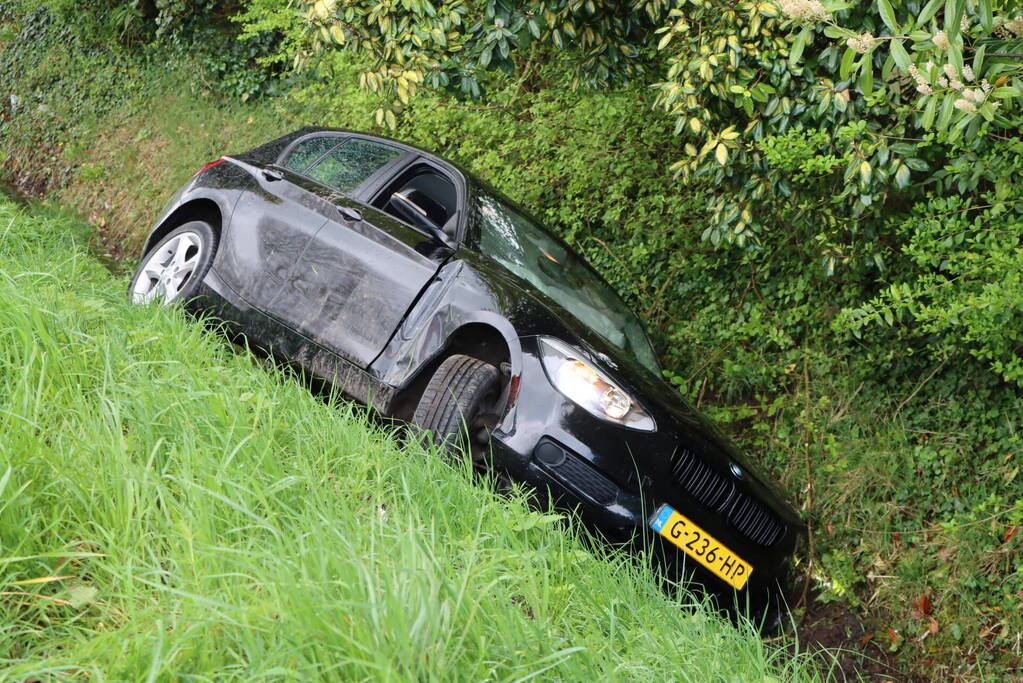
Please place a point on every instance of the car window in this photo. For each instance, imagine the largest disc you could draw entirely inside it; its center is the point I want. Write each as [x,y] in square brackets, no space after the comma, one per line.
[525,249]
[347,166]
[308,151]
[432,193]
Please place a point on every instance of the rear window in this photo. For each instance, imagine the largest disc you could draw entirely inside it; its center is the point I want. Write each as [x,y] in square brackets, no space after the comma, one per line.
[347,166]
[308,151]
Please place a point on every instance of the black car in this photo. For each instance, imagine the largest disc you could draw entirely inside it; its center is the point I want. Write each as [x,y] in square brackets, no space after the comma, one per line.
[415,288]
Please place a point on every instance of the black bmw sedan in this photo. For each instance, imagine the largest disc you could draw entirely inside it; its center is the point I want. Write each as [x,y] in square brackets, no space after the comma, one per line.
[413,287]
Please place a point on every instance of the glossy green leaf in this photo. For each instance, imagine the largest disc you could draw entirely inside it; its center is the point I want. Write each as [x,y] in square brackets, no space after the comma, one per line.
[929,10]
[953,17]
[927,120]
[955,54]
[917,164]
[796,51]
[1006,92]
[886,68]
[900,55]
[848,59]
[947,109]
[986,18]
[866,79]
[978,59]
[841,101]
[888,16]
[865,171]
[902,176]
[721,154]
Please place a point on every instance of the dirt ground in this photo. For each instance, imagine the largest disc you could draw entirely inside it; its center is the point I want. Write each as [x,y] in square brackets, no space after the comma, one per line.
[857,652]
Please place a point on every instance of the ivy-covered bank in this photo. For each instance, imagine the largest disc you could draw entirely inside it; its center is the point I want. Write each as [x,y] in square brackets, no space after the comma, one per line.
[870,358]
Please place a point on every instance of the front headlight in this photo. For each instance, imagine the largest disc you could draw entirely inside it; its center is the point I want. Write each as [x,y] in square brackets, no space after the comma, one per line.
[589,387]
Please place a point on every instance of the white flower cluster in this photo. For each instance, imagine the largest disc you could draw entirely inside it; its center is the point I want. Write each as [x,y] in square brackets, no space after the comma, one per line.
[970,97]
[940,40]
[861,43]
[969,100]
[804,10]
[923,85]
[951,78]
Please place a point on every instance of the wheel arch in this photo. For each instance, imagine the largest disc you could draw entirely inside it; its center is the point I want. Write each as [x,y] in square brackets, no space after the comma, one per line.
[198,209]
[487,337]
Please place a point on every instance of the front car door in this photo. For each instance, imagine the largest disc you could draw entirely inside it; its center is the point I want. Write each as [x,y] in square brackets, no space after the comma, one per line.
[364,268]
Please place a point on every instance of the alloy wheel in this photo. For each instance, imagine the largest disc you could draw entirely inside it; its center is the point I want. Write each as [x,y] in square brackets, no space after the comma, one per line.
[168,269]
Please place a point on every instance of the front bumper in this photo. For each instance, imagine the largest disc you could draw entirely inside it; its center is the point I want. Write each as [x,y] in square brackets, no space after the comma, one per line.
[617,478]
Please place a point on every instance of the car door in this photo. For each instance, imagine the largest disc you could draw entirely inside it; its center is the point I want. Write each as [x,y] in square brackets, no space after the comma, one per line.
[273,224]
[361,271]
[273,221]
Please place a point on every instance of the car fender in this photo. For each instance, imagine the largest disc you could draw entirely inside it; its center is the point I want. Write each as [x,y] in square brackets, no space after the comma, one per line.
[445,316]
[209,186]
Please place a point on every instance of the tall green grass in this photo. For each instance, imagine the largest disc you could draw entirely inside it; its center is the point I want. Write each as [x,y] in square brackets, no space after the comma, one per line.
[170,509]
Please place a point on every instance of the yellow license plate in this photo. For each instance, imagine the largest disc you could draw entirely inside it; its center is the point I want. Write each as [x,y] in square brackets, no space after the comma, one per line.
[702,547]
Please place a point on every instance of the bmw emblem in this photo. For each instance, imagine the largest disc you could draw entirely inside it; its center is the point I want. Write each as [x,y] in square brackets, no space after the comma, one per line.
[736,470]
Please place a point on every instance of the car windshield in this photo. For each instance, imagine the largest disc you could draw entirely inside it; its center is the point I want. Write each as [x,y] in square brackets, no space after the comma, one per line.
[517,243]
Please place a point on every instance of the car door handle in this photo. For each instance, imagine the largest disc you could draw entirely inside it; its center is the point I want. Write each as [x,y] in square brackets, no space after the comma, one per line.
[350,213]
[272,175]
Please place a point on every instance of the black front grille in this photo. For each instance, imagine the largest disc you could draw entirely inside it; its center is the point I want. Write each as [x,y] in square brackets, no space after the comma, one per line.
[755,522]
[751,518]
[702,483]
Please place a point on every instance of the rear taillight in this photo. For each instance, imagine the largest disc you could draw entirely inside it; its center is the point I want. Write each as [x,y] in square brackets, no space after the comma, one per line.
[210,165]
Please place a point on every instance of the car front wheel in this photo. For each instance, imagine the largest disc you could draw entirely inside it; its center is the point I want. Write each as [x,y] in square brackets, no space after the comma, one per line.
[456,400]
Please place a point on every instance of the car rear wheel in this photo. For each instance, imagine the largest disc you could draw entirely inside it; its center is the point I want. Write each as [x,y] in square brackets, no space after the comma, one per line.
[173,269]
[456,403]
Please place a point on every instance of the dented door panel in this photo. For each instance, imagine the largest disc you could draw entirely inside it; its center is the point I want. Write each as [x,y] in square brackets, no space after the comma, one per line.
[271,227]
[358,278]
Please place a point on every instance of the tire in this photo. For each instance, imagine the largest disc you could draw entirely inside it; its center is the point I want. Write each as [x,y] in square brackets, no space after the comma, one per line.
[458,394]
[173,270]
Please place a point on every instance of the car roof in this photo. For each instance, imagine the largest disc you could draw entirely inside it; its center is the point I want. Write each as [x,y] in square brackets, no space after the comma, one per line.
[472,180]
[277,146]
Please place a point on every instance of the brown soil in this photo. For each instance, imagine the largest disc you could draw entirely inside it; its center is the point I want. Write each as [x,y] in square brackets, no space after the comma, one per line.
[857,651]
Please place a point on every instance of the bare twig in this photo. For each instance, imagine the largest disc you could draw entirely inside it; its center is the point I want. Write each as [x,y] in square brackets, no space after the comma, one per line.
[703,387]
[920,386]
[808,504]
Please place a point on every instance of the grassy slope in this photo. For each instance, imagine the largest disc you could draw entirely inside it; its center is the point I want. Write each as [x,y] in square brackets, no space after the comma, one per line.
[849,470]
[208,516]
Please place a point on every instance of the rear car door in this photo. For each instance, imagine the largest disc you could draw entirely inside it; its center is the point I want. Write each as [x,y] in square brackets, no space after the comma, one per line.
[363,269]
[273,221]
